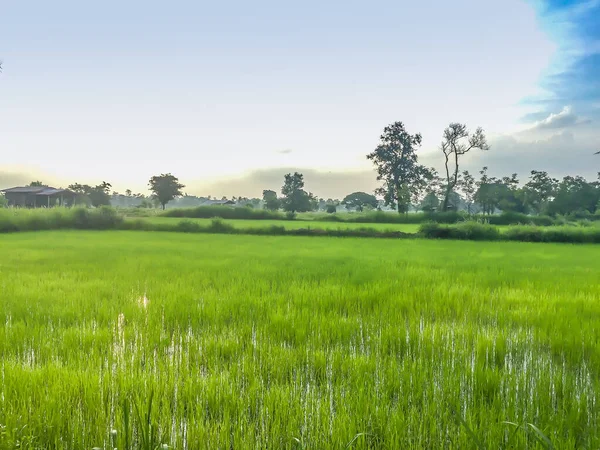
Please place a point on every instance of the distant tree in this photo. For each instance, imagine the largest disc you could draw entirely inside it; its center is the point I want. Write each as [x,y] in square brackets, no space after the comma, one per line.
[331,208]
[128,193]
[359,200]
[457,142]
[270,200]
[397,167]
[468,186]
[295,198]
[485,195]
[36,184]
[92,195]
[165,187]
[539,191]
[99,195]
[430,203]
[313,201]
[575,195]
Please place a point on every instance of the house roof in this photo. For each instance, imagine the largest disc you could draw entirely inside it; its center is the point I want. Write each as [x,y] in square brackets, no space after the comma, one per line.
[217,202]
[37,190]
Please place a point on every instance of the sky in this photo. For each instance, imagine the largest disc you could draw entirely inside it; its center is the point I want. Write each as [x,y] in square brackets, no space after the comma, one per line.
[229,96]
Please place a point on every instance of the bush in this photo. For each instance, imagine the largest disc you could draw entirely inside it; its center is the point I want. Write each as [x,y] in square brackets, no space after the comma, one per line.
[331,209]
[12,220]
[290,215]
[218,226]
[473,231]
[223,212]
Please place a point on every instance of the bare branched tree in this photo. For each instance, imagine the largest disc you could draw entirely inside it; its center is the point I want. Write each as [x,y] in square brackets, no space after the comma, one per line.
[457,142]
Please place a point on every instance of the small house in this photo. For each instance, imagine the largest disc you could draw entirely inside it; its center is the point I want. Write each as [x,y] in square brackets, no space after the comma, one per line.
[38,196]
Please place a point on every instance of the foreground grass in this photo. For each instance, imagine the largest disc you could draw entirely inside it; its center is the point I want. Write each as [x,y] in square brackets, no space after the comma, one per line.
[289,342]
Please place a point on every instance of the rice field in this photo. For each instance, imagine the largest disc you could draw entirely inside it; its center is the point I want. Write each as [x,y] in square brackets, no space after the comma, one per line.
[140,340]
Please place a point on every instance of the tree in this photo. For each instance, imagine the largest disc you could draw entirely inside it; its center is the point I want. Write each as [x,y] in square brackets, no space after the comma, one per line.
[128,192]
[539,190]
[331,208]
[485,194]
[165,187]
[397,167]
[295,198]
[88,195]
[270,200]
[430,203]
[359,200]
[457,142]
[3,201]
[575,195]
[468,186]
[36,184]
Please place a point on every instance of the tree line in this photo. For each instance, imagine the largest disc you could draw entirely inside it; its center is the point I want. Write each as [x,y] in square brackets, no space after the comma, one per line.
[405,185]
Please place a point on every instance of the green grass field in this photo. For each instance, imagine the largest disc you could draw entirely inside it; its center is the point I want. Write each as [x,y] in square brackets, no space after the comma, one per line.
[287,342]
[292,224]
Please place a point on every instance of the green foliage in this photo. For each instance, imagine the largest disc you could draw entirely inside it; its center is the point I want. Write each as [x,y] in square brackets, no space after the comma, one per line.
[13,220]
[36,184]
[396,161]
[272,203]
[96,196]
[331,209]
[245,342]
[430,203]
[360,200]
[295,198]
[473,231]
[165,187]
[3,201]
[224,212]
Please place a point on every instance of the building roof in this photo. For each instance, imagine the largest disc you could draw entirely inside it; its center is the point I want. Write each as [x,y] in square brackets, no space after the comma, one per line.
[217,202]
[37,190]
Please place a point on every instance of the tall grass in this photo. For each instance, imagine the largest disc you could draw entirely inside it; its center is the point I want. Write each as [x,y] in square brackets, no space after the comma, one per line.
[12,220]
[136,340]
[224,212]
[484,232]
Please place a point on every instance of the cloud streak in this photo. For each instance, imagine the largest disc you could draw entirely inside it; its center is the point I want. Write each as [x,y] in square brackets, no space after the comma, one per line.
[566,118]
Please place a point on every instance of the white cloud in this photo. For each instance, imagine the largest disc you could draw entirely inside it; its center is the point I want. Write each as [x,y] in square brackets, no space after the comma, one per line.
[564,119]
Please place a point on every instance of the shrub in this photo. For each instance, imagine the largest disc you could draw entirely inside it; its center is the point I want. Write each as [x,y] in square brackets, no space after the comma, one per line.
[223,212]
[218,226]
[290,215]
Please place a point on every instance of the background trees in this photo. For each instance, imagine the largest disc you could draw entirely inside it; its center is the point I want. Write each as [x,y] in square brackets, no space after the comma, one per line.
[397,166]
[165,187]
[96,196]
[359,200]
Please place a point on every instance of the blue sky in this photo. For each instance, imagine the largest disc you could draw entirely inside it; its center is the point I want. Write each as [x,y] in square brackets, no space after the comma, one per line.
[231,95]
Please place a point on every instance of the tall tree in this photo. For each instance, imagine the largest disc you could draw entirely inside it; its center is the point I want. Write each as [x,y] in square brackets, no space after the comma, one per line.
[165,187]
[36,184]
[539,190]
[295,198]
[468,187]
[359,200]
[92,195]
[270,200]
[457,142]
[396,161]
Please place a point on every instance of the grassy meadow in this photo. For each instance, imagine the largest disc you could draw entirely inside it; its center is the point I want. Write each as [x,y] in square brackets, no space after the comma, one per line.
[132,340]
